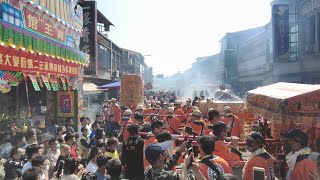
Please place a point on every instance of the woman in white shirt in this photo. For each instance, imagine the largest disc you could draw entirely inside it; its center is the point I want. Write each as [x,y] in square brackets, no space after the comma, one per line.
[92,159]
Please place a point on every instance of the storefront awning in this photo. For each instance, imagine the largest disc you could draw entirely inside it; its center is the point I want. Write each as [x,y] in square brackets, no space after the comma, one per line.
[90,88]
[111,85]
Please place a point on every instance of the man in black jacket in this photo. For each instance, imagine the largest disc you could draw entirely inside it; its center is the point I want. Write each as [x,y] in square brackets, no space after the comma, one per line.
[13,167]
[132,154]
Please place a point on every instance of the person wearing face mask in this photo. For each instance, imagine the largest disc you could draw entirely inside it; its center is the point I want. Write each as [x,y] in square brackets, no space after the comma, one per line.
[32,151]
[42,163]
[53,155]
[259,158]
[219,130]
[13,166]
[111,148]
[298,161]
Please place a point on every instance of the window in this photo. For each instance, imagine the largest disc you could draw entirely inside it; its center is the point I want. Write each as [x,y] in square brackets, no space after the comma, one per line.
[11,15]
[70,41]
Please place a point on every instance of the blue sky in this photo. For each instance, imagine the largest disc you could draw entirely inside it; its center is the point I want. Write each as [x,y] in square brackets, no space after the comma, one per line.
[176,32]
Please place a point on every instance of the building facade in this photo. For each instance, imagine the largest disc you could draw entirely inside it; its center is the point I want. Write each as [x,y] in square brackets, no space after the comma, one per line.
[134,63]
[41,65]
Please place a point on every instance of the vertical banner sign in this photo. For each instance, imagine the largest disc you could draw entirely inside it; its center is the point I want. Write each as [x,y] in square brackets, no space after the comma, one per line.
[89,34]
[280,18]
[131,90]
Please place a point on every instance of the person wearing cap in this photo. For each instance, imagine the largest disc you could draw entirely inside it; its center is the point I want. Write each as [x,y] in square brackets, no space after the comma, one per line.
[298,161]
[196,123]
[148,110]
[210,165]
[234,124]
[221,149]
[132,154]
[187,108]
[157,127]
[175,155]
[157,156]
[173,122]
[127,120]
[140,109]
[259,157]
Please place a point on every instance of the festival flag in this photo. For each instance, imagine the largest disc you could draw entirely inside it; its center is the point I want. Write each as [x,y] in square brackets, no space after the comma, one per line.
[45,79]
[35,84]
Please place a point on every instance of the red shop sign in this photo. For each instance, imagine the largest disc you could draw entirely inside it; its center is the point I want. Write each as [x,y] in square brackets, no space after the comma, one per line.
[18,60]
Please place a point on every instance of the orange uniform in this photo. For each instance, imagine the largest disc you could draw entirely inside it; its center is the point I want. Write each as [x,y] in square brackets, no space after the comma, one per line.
[235,124]
[303,168]
[117,114]
[155,111]
[198,126]
[221,150]
[187,111]
[149,140]
[180,114]
[221,165]
[126,133]
[262,161]
[163,112]
[147,112]
[174,124]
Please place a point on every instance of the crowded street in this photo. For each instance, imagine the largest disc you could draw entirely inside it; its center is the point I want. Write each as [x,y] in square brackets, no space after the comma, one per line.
[129,90]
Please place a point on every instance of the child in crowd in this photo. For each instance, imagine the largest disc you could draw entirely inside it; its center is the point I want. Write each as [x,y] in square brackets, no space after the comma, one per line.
[111,148]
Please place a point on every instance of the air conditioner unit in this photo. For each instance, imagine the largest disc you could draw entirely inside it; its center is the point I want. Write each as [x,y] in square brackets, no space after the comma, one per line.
[117,74]
[267,67]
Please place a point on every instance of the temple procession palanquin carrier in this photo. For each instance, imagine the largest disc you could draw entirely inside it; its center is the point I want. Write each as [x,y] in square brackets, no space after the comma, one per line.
[286,106]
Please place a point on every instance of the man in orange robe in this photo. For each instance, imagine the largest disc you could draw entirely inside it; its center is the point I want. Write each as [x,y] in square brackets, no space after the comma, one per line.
[259,158]
[298,161]
[235,126]
[210,165]
[178,112]
[116,111]
[197,124]
[156,128]
[221,149]
[173,122]
[213,118]
[187,108]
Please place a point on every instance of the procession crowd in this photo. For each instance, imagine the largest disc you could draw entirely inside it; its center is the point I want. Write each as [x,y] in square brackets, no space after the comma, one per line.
[159,139]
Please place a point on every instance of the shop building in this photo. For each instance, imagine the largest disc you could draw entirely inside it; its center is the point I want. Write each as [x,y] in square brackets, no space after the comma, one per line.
[40,62]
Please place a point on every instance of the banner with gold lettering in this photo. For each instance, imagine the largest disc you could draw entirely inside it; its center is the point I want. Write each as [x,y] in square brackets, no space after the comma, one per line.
[18,60]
